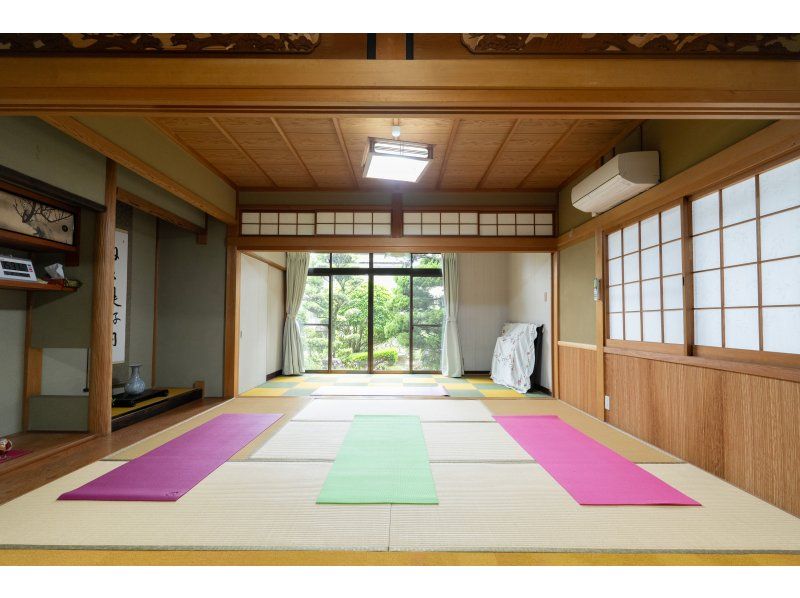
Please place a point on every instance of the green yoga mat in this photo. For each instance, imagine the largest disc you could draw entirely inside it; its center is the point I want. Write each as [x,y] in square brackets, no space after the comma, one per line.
[383,460]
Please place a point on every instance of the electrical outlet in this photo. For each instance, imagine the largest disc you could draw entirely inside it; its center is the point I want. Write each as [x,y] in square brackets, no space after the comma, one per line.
[607,402]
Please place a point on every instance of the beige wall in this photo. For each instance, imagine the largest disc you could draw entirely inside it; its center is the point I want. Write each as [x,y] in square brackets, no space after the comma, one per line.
[132,182]
[191,308]
[482,306]
[12,349]
[576,307]
[530,281]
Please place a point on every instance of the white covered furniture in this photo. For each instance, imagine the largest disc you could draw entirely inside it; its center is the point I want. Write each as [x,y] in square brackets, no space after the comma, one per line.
[515,356]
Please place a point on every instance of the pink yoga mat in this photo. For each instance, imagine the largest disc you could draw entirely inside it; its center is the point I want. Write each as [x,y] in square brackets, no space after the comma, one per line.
[170,471]
[592,473]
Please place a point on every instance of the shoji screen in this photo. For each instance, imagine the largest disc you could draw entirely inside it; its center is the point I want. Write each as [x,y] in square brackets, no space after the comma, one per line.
[645,281]
[746,263]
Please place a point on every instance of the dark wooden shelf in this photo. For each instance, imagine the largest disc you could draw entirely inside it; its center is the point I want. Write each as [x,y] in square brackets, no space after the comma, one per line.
[24,285]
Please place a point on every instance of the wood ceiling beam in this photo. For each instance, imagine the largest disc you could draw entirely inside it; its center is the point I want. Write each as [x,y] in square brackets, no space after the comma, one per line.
[292,149]
[121,156]
[450,141]
[196,155]
[591,87]
[497,155]
[239,146]
[547,154]
[337,125]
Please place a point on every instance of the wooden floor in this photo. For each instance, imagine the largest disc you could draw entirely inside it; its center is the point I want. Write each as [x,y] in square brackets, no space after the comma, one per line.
[77,450]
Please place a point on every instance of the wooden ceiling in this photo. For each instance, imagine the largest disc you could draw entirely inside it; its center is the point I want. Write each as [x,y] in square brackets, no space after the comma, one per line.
[293,153]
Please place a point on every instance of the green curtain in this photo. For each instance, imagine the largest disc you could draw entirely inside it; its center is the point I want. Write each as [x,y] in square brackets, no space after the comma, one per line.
[296,274]
[452,363]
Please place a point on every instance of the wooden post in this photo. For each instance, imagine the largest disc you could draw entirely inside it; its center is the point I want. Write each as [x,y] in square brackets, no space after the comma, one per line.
[397,214]
[599,327]
[232,285]
[102,308]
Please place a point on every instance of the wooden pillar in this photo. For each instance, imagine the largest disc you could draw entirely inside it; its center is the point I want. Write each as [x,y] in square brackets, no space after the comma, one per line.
[102,309]
[397,214]
[599,327]
[555,315]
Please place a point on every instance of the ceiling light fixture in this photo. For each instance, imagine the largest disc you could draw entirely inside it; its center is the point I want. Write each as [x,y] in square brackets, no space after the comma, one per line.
[396,160]
[396,131]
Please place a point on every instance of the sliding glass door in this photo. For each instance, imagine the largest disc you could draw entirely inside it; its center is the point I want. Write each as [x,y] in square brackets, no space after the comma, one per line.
[377,312]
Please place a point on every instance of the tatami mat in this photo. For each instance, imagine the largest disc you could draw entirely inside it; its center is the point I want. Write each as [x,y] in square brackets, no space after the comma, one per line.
[252,505]
[289,407]
[519,507]
[629,447]
[454,442]
[427,410]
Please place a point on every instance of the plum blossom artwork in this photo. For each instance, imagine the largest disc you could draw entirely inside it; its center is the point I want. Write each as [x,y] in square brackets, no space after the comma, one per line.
[36,219]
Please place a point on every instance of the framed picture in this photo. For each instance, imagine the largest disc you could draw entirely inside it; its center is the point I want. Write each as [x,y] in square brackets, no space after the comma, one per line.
[45,221]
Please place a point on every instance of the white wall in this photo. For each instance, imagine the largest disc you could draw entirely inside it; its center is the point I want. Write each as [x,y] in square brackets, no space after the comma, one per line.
[529,299]
[261,318]
[483,305]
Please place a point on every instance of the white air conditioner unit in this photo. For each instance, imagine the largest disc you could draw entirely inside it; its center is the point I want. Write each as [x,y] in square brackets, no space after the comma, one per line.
[619,179]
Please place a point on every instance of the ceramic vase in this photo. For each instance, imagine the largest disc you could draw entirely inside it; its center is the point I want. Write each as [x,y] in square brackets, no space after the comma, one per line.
[135,384]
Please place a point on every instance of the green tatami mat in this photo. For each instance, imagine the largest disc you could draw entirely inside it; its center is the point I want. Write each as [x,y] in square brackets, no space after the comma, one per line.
[383,459]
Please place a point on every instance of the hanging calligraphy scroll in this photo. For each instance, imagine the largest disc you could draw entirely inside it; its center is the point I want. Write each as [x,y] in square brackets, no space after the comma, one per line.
[120,296]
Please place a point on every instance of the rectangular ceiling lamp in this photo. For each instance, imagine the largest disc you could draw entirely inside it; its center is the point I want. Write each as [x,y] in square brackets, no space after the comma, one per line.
[396,160]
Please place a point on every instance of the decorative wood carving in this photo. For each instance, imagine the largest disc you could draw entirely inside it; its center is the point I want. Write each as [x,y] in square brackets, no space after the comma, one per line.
[160,43]
[647,44]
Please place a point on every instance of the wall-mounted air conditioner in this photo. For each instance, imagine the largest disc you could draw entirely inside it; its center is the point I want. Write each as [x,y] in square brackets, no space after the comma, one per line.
[619,179]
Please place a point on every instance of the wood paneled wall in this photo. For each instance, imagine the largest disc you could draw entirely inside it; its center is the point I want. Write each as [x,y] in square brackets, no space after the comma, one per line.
[577,370]
[740,427]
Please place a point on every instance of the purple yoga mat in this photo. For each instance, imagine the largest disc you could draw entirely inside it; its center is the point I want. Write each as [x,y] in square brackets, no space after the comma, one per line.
[171,470]
[592,473]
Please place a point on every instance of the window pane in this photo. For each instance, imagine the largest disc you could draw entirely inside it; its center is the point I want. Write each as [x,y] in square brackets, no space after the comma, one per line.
[705,251]
[633,326]
[741,329]
[630,267]
[615,326]
[651,294]
[739,202]
[673,326]
[615,271]
[741,286]
[651,326]
[781,329]
[350,322]
[707,289]
[651,263]
[739,244]
[671,258]
[650,234]
[632,297]
[315,347]
[705,214]
[615,298]
[319,260]
[350,260]
[779,188]
[428,300]
[391,323]
[779,235]
[615,244]
[427,260]
[391,260]
[630,238]
[427,348]
[671,224]
[780,282]
[673,292]
[708,327]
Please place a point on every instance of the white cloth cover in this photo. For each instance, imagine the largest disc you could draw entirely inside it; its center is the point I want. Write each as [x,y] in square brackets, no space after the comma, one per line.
[514,356]
[452,362]
[296,274]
